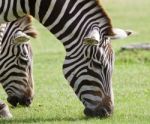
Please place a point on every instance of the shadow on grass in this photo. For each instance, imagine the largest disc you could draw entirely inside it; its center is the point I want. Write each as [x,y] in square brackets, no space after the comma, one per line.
[42,120]
[39,120]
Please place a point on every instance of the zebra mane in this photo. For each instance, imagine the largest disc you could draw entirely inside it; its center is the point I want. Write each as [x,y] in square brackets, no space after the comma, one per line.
[2,29]
[25,23]
[109,30]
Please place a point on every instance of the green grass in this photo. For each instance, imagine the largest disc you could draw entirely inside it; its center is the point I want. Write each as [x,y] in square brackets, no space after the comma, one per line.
[55,102]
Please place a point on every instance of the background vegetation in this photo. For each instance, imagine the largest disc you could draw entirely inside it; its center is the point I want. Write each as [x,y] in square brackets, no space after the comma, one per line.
[55,102]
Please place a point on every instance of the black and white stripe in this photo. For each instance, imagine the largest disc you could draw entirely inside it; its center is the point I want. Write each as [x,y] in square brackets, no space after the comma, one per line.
[16,61]
[78,24]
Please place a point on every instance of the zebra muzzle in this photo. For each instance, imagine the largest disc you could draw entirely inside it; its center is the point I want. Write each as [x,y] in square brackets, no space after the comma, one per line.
[13,100]
[101,112]
[93,38]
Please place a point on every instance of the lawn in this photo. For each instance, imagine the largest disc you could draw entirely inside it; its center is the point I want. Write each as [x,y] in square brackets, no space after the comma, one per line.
[55,102]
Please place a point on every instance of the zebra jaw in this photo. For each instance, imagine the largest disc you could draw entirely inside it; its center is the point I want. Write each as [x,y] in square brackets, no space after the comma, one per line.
[93,37]
[20,38]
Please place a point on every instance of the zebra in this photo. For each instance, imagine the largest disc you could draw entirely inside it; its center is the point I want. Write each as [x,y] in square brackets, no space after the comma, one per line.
[16,61]
[86,31]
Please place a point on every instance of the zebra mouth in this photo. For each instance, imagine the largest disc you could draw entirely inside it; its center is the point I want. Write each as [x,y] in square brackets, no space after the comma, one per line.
[14,101]
[102,112]
[25,102]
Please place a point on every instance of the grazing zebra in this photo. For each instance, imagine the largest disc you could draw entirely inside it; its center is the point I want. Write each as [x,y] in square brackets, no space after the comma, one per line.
[85,30]
[16,61]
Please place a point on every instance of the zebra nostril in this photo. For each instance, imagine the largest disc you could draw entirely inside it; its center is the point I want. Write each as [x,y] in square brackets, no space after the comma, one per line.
[28,101]
[25,101]
[102,112]
[13,100]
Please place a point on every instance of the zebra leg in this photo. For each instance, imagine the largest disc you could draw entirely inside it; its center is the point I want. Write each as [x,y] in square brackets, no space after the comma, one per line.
[4,111]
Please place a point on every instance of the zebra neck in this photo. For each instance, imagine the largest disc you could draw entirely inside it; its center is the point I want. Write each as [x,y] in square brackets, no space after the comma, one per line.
[71,20]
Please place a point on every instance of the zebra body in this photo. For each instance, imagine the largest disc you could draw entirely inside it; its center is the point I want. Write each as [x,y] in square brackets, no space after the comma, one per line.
[85,30]
[16,61]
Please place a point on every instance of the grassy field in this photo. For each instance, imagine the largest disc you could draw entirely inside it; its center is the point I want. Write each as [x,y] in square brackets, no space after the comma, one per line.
[55,102]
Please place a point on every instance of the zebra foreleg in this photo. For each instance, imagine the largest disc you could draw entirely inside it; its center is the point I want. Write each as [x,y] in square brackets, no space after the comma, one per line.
[4,111]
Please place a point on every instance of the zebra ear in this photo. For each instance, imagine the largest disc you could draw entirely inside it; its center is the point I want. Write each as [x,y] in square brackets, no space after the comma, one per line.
[92,38]
[120,33]
[21,37]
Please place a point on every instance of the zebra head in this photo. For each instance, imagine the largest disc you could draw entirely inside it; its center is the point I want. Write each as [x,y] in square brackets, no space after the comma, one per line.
[16,61]
[98,99]
[90,72]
